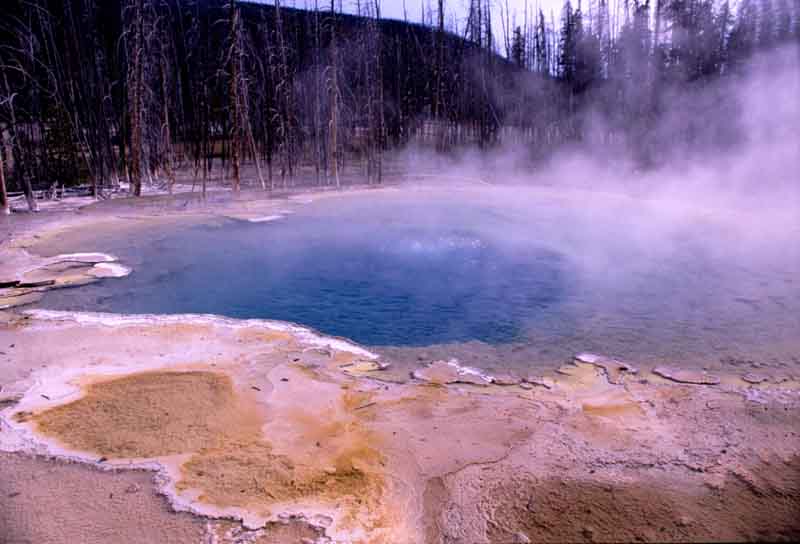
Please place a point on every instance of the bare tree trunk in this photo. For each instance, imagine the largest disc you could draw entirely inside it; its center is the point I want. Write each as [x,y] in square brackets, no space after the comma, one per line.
[317,99]
[381,129]
[27,188]
[437,104]
[167,133]
[284,100]
[334,122]
[234,60]
[254,149]
[5,205]
[137,89]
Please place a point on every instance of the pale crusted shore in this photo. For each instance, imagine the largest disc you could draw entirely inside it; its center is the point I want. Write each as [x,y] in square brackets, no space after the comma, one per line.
[260,431]
[353,458]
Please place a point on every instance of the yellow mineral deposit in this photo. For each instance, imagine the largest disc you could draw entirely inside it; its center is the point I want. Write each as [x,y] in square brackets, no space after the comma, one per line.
[230,461]
[152,414]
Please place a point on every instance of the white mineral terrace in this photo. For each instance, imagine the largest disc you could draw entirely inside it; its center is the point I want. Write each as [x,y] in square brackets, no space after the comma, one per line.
[255,427]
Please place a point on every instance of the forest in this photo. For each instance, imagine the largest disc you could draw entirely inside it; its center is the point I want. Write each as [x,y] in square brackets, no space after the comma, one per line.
[104,94]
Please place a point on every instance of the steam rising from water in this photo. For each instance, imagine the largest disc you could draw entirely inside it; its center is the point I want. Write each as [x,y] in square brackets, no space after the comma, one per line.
[696,260]
[734,142]
[551,271]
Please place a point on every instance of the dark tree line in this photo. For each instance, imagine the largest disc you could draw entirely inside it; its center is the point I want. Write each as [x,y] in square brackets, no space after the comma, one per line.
[146,91]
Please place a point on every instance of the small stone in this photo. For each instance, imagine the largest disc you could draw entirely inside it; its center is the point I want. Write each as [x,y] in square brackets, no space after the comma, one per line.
[686,376]
[40,283]
[521,538]
[447,372]
[526,386]
[133,488]
[109,270]
[10,398]
[90,258]
[363,366]
[614,369]
[321,520]
[536,380]
[506,379]
[684,521]
[754,378]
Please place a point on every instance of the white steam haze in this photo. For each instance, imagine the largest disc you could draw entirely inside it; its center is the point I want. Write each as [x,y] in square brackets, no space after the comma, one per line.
[758,172]
[725,220]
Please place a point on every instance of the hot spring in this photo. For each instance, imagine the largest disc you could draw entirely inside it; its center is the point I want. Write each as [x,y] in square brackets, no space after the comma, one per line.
[529,277]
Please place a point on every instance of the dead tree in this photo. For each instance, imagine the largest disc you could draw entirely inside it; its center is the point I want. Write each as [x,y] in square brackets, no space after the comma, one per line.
[234,62]
[381,136]
[5,205]
[335,97]
[373,83]
[284,92]
[16,158]
[136,59]
[438,109]
[318,131]
[166,132]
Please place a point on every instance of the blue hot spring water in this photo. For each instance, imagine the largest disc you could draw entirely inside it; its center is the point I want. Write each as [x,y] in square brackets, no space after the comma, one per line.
[416,271]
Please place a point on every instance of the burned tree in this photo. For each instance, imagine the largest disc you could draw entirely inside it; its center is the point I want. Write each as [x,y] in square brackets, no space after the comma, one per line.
[5,205]
[233,62]
[136,54]
[94,91]
[335,98]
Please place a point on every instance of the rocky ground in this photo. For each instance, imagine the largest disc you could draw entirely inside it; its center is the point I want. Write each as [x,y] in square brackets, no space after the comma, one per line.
[201,429]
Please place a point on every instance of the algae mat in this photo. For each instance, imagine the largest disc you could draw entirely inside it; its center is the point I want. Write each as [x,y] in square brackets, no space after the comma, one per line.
[199,414]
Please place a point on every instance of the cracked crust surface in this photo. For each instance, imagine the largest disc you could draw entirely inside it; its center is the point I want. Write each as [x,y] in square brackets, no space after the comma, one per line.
[589,458]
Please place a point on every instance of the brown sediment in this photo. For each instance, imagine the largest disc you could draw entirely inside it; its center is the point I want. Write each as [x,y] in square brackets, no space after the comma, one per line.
[341,358]
[19,297]
[335,464]
[355,400]
[261,335]
[248,475]
[418,403]
[151,414]
[265,438]
[617,404]
[663,509]
[173,328]
[232,465]
[311,372]
[578,376]
[102,506]
[51,501]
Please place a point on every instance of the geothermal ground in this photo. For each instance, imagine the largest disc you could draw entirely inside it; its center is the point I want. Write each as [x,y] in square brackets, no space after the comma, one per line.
[193,428]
